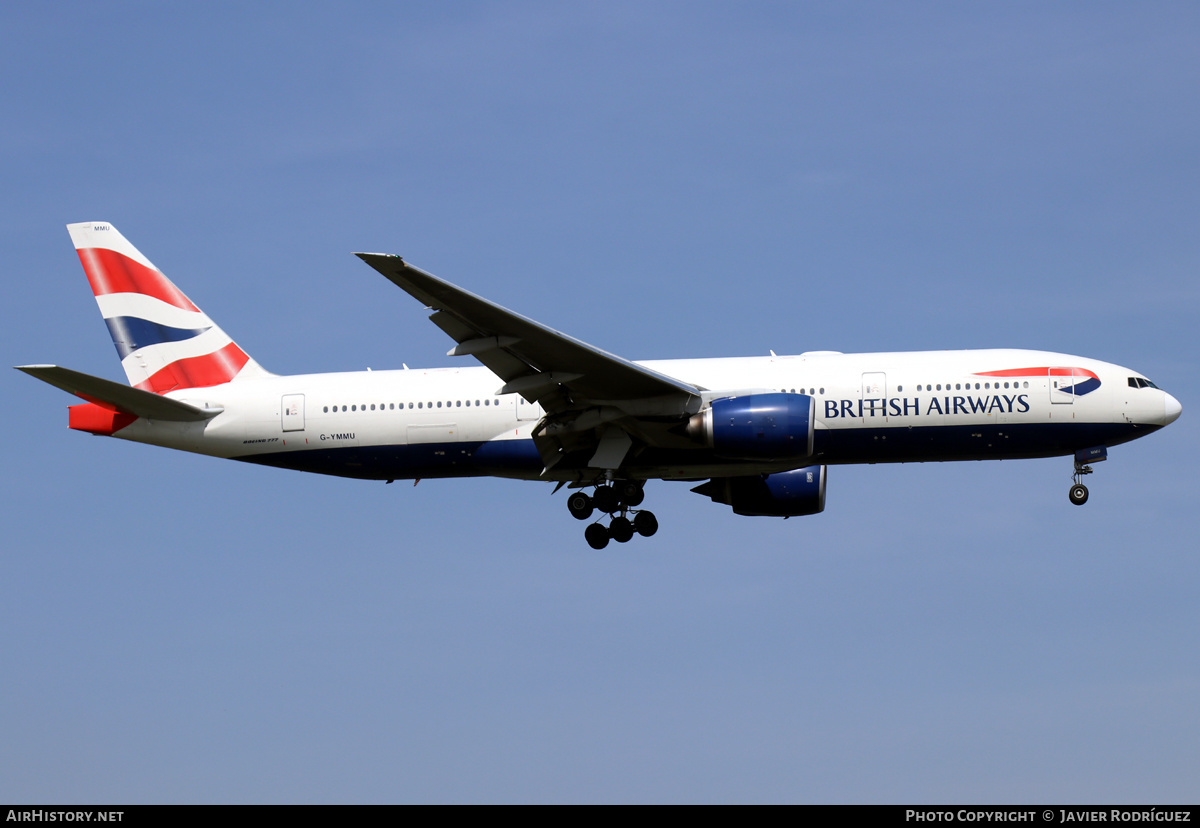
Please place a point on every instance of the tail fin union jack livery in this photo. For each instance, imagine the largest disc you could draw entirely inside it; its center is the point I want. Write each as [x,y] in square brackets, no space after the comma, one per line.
[757,433]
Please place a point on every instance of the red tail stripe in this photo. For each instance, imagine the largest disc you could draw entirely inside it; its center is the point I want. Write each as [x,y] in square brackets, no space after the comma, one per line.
[111,272]
[198,372]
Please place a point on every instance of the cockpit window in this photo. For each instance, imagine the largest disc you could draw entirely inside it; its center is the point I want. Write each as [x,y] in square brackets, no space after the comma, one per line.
[1138,382]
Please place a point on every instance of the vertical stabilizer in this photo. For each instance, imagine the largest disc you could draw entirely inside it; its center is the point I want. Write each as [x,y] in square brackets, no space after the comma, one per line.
[164,341]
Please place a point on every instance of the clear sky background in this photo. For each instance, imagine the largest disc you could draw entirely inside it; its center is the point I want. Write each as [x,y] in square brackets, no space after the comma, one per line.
[661,180]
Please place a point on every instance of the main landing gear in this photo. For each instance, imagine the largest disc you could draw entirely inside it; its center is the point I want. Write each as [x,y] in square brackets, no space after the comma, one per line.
[618,499]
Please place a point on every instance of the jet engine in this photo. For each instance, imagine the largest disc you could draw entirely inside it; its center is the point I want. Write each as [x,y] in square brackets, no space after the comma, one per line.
[757,426]
[785,494]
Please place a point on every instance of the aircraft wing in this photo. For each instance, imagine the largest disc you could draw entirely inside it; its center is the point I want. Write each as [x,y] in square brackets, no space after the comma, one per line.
[539,363]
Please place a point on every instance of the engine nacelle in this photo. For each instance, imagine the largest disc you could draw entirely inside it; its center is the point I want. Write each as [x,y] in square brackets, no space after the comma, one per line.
[757,426]
[785,494]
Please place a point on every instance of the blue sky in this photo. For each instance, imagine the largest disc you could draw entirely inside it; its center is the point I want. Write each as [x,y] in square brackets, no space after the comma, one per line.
[661,180]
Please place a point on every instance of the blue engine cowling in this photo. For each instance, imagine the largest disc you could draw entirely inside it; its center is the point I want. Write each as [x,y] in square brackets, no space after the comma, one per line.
[757,426]
[785,494]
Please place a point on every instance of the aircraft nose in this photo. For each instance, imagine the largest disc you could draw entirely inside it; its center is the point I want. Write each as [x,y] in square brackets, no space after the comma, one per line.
[1171,408]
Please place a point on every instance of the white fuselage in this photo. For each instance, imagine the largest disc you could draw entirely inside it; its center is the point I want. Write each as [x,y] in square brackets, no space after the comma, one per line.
[882,407]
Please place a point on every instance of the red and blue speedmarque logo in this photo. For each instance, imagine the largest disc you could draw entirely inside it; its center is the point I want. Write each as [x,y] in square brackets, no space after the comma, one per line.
[1082,380]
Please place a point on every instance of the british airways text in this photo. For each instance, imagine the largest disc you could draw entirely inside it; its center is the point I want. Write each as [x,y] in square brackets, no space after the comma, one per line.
[911,406]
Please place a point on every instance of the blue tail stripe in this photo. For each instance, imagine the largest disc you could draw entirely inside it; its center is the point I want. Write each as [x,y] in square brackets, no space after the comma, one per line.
[131,332]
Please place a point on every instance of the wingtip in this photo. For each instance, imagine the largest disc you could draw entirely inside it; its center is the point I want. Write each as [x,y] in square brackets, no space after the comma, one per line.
[365,256]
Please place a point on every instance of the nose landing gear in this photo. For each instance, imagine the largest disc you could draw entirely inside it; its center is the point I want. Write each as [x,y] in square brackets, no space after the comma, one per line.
[1079,492]
[618,500]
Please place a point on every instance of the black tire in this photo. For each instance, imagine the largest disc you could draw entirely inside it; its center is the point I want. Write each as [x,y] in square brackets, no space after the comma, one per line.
[621,529]
[634,499]
[606,499]
[1079,494]
[579,505]
[645,524]
[596,536]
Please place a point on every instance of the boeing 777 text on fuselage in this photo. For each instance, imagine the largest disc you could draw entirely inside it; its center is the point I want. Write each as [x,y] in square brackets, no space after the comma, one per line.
[757,433]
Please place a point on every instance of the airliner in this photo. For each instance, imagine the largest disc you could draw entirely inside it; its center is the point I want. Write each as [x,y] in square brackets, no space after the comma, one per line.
[755,433]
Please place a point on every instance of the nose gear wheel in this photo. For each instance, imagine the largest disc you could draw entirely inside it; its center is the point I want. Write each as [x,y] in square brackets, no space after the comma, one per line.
[1079,492]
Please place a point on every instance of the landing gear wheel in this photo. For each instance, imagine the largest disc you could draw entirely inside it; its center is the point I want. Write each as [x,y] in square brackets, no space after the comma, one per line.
[621,529]
[1079,494]
[632,494]
[596,536]
[645,524]
[606,499]
[580,506]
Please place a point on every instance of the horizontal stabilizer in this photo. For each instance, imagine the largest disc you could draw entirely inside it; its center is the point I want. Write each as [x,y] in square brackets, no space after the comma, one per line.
[123,398]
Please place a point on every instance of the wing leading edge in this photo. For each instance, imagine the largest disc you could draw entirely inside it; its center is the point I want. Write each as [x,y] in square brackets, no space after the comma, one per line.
[532,359]
[585,391]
